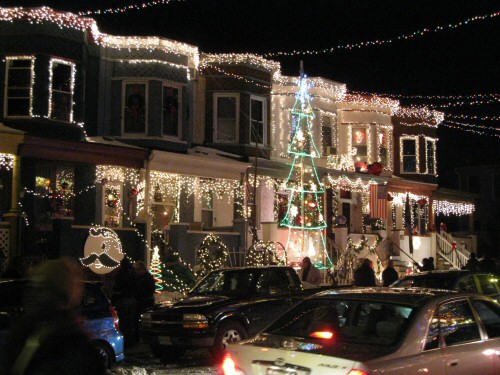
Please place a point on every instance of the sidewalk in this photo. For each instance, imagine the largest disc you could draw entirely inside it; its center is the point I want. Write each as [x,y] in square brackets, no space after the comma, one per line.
[140,361]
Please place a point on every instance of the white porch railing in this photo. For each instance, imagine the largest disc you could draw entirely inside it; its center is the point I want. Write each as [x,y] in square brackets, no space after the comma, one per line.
[451,251]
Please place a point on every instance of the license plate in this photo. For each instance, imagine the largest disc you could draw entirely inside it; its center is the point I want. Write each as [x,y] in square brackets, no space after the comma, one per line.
[164,340]
[273,371]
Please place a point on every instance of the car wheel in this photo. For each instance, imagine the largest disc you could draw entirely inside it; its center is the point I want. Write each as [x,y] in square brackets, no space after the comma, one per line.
[167,353]
[105,354]
[227,333]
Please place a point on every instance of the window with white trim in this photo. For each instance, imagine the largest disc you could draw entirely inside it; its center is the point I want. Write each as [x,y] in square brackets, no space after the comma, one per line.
[258,120]
[383,149]
[19,77]
[226,110]
[328,136]
[207,209]
[171,111]
[430,156]
[61,88]
[134,112]
[360,143]
[409,155]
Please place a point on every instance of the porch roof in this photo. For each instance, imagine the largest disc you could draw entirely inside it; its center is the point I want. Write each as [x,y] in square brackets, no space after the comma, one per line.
[202,164]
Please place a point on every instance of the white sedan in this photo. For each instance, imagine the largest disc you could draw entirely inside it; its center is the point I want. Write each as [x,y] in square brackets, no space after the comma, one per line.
[367,331]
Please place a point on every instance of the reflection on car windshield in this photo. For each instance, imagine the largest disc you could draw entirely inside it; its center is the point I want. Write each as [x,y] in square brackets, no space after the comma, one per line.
[227,283]
[351,322]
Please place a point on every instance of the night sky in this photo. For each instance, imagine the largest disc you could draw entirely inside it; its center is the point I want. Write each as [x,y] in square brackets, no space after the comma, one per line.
[457,61]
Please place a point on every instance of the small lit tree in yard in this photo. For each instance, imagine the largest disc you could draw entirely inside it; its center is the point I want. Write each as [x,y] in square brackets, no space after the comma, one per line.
[155,270]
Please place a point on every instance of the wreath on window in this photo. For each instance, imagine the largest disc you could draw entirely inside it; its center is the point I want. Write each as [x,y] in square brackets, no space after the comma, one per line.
[112,197]
[212,254]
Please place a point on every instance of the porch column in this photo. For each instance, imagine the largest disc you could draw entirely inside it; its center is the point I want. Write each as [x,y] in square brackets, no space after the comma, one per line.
[12,217]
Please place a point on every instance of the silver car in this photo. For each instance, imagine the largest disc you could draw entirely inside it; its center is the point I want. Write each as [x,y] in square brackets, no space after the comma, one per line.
[366,331]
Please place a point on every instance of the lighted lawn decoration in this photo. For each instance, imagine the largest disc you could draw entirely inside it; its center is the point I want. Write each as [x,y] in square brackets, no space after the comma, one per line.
[263,253]
[102,251]
[212,255]
[155,270]
[304,216]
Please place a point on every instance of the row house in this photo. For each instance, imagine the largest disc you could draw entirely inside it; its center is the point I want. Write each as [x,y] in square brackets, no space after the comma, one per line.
[165,145]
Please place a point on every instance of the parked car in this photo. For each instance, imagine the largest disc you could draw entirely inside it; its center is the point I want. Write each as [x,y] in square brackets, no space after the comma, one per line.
[226,305]
[366,331]
[101,318]
[461,280]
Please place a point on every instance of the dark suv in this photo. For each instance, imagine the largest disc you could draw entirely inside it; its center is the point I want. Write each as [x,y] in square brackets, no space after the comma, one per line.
[101,318]
[462,280]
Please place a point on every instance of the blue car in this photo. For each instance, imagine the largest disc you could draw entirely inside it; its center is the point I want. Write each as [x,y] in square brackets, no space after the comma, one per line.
[101,317]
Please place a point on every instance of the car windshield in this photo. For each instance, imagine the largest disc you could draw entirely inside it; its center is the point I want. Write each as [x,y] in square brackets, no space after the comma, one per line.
[358,326]
[228,283]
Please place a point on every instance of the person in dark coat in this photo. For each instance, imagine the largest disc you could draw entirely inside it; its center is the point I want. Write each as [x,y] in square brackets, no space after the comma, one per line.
[487,263]
[145,287]
[123,300]
[364,274]
[389,275]
[426,265]
[472,263]
[50,337]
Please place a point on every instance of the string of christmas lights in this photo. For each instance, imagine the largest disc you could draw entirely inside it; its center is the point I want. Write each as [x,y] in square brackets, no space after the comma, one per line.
[495,99]
[126,8]
[473,117]
[484,127]
[460,127]
[430,97]
[402,37]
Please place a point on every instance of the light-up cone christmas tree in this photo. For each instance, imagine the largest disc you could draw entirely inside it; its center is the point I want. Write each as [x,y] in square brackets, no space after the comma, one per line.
[304,216]
[155,270]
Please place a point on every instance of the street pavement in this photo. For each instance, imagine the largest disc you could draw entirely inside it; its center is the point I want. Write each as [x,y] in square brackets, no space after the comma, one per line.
[140,361]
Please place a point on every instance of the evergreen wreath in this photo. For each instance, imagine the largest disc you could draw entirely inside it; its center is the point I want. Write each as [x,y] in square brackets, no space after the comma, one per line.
[212,254]
[265,253]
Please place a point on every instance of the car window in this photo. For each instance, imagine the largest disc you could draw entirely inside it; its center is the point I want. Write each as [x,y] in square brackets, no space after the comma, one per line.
[353,322]
[467,284]
[488,284]
[453,323]
[490,317]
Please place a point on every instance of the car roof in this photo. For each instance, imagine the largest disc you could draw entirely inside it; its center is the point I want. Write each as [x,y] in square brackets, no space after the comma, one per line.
[407,296]
[437,274]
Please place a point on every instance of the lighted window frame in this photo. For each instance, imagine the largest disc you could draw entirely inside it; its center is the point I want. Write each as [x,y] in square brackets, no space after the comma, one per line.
[403,157]
[9,98]
[365,146]
[430,157]
[56,112]
[125,106]
[384,146]
[218,121]
[258,125]
[176,126]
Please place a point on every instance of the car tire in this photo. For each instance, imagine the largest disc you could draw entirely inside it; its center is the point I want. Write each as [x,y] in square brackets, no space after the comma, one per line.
[105,353]
[167,353]
[227,333]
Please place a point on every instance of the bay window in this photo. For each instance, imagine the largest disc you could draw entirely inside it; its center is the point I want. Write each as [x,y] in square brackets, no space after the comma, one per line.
[61,87]
[226,110]
[19,85]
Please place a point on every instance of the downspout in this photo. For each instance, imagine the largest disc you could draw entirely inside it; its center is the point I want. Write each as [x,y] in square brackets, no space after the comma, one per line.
[147,204]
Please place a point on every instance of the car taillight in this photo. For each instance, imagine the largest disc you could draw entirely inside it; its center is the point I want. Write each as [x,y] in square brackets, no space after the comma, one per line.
[322,335]
[229,367]
[355,371]
[115,317]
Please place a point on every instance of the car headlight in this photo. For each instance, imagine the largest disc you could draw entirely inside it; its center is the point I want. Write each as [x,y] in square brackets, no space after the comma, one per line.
[199,321]
[146,316]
